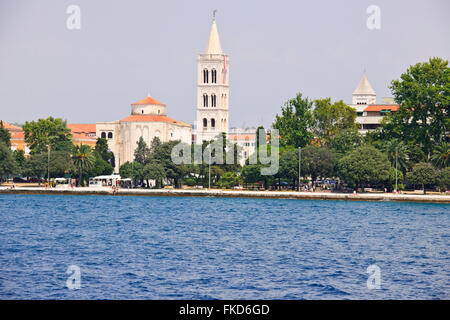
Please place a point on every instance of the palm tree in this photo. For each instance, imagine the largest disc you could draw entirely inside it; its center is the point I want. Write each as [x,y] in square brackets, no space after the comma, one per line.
[441,155]
[83,159]
[397,149]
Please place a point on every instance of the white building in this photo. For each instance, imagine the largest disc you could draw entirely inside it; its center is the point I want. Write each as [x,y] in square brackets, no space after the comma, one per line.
[369,113]
[148,119]
[212,90]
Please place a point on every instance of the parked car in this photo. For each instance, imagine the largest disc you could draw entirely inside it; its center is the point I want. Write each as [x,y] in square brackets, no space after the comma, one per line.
[19,180]
[36,180]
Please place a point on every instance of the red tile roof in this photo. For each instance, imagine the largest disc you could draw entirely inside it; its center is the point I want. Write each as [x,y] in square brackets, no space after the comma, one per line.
[148,100]
[82,128]
[380,107]
[17,135]
[147,118]
[11,127]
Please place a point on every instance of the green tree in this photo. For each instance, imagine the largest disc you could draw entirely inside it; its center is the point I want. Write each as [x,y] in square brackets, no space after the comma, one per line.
[289,166]
[102,150]
[100,167]
[251,173]
[422,173]
[443,179]
[423,93]
[35,166]
[331,118]
[415,155]
[295,122]
[441,155]
[83,160]
[346,140]
[397,153]
[363,165]
[229,180]
[48,132]
[392,180]
[142,152]
[317,162]
[19,155]
[154,170]
[7,162]
[5,136]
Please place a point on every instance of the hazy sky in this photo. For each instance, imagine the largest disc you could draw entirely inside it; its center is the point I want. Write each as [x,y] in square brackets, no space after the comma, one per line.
[127,49]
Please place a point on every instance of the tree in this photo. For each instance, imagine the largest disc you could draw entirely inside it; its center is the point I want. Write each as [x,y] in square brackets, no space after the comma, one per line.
[393,178]
[443,179]
[102,150]
[441,155]
[422,173]
[295,122]
[331,118]
[142,152]
[415,155]
[229,180]
[346,140]
[154,170]
[83,160]
[289,166]
[19,155]
[7,162]
[317,162]
[126,170]
[397,153]
[363,165]
[41,134]
[251,173]
[100,167]
[35,165]
[423,93]
[5,136]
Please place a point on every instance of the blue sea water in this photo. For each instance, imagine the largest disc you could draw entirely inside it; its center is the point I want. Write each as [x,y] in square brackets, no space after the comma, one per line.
[214,248]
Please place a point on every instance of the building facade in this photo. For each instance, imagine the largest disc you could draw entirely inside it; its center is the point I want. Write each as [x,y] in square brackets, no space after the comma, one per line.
[148,119]
[368,113]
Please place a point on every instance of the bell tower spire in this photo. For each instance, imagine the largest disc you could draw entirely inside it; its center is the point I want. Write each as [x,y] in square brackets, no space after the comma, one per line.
[212,88]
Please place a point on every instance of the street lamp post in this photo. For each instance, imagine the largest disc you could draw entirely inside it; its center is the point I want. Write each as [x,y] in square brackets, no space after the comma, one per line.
[396,168]
[209,174]
[48,165]
[299,166]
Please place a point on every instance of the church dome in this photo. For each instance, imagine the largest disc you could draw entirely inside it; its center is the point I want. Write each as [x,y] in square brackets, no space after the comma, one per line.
[149,107]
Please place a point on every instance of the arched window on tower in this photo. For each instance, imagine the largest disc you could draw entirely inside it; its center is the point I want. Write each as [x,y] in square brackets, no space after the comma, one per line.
[213,100]
[213,123]
[110,135]
[213,76]
[205,75]
[205,123]
[205,100]
[103,135]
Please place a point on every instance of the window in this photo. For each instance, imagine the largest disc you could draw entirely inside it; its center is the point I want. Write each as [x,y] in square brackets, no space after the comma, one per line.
[104,135]
[142,111]
[213,123]
[205,122]
[205,75]
[110,135]
[213,100]
[213,76]
[205,100]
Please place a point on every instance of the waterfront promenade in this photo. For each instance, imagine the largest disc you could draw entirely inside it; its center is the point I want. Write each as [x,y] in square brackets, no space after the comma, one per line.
[232,194]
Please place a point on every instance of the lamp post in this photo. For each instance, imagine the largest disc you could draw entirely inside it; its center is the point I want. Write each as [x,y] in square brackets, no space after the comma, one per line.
[396,167]
[48,165]
[209,174]
[299,166]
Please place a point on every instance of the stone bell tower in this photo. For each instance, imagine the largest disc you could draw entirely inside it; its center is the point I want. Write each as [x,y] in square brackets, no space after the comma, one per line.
[212,89]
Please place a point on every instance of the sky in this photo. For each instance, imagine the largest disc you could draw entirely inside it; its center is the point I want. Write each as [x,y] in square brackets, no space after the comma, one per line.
[125,50]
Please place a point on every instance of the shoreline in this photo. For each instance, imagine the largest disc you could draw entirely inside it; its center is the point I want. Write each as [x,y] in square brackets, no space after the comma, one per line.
[233,194]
